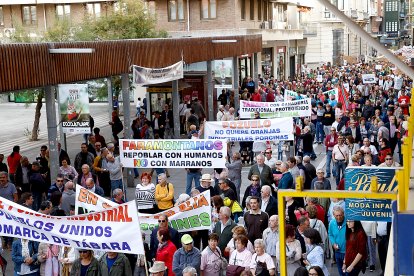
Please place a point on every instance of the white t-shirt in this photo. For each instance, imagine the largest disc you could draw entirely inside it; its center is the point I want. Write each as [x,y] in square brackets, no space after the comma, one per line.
[241,258]
[265,258]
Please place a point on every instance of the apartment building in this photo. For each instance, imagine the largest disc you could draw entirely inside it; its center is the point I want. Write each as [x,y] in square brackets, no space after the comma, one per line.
[329,40]
[36,16]
[276,20]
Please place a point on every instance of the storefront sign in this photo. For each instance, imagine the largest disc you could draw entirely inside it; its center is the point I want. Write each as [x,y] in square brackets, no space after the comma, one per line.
[180,153]
[299,108]
[144,76]
[108,230]
[74,108]
[359,179]
[280,129]
[193,214]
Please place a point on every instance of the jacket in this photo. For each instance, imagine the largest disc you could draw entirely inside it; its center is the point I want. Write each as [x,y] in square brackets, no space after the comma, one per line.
[37,182]
[328,142]
[286,181]
[271,208]
[93,269]
[226,235]
[182,259]
[17,257]
[235,169]
[19,175]
[78,161]
[337,235]
[266,176]
[121,266]
[165,255]
[358,137]
[328,117]
[175,238]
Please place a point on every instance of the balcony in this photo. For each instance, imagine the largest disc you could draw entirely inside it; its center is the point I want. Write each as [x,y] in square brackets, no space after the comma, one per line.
[309,29]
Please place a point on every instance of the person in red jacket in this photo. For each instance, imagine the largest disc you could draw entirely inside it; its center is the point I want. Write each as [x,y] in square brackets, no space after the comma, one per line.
[330,141]
[256,97]
[166,248]
[13,160]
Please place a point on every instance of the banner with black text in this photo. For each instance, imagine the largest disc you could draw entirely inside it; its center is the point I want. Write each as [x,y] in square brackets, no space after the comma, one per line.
[144,76]
[298,108]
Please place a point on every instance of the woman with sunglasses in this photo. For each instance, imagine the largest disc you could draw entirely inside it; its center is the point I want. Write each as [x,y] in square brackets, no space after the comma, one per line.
[86,265]
[253,189]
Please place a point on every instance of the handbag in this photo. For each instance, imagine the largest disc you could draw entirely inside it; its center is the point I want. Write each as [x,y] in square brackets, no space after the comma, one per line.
[234,270]
[261,269]
[224,263]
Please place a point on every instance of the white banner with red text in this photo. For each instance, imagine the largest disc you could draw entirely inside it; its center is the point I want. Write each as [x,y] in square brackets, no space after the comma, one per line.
[298,108]
[193,214]
[107,230]
[279,129]
[179,153]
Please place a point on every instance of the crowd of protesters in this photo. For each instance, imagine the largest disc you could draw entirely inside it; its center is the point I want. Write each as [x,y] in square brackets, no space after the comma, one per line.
[364,127]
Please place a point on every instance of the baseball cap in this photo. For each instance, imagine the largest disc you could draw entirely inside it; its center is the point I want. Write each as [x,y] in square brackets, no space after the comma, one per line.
[186,239]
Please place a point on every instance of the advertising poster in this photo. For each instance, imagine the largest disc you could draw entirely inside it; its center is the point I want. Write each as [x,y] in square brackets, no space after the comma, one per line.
[280,129]
[74,108]
[223,75]
[193,214]
[180,153]
[144,76]
[298,108]
[359,179]
[105,230]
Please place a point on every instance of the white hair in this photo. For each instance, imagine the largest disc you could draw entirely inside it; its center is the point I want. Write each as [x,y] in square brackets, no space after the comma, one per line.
[225,211]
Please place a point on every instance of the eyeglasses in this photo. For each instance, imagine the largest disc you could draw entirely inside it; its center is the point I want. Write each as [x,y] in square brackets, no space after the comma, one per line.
[59,180]
[161,220]
[268,152]
[388,158]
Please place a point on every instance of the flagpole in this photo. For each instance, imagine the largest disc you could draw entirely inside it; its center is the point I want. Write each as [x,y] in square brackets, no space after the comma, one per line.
[146,265]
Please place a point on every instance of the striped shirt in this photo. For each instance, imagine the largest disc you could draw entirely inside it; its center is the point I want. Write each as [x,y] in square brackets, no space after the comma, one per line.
[145,196]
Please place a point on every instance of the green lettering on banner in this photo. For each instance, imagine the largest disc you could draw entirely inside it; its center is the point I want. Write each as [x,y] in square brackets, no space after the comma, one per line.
[182,224]
[194,221]
[205,219]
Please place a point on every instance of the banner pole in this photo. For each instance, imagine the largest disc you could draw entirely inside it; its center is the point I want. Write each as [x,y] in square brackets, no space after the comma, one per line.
[146,265]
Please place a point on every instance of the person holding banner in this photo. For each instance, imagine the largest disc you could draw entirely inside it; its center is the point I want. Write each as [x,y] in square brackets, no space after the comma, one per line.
[154,242]
[86,265]
[24,256]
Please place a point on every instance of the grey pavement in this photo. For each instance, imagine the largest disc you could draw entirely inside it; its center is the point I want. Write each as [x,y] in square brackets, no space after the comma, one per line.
[17,117]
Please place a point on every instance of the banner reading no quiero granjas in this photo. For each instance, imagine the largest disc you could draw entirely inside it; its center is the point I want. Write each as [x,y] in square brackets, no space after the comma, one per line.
[280,129]
[200,153]
[299,108]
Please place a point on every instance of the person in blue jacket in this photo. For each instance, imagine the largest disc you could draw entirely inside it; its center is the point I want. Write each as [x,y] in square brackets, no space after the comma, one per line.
[186,256]
[336,232]
[24,257]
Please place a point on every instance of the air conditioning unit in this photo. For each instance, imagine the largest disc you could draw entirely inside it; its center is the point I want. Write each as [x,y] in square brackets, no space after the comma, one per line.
[8,32]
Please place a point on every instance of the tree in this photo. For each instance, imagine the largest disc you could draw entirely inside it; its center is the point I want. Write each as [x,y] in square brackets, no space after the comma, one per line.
[129,19]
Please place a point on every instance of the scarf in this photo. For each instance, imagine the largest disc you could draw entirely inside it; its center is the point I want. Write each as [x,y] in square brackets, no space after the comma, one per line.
[255,191]
[52,264]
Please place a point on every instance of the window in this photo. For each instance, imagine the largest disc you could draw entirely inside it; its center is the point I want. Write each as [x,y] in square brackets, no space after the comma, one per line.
[62,11]
[327,13]
[243,9]
[259,10]
[94,9]
[175,10]
[208,9]
[279,13]
[150,6]
[252,9]
[29,15]
[1,16]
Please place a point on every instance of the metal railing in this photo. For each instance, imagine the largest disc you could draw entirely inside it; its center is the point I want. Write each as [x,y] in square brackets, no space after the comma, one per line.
[402,176]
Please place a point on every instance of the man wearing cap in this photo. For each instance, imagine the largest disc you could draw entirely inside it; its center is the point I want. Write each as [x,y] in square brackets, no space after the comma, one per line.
[320,177]
[205,184]
[188,255]
[158,269]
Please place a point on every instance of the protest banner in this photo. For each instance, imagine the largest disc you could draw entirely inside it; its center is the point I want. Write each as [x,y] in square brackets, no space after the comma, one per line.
[290,95]
[359,179]
[398,82]
[179,153]
[298,108]
[74,108]
[193,214]
[319,78]
[368,78]
[106,230]
[144,76]
[223,75]
[332,92]
[280,129]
